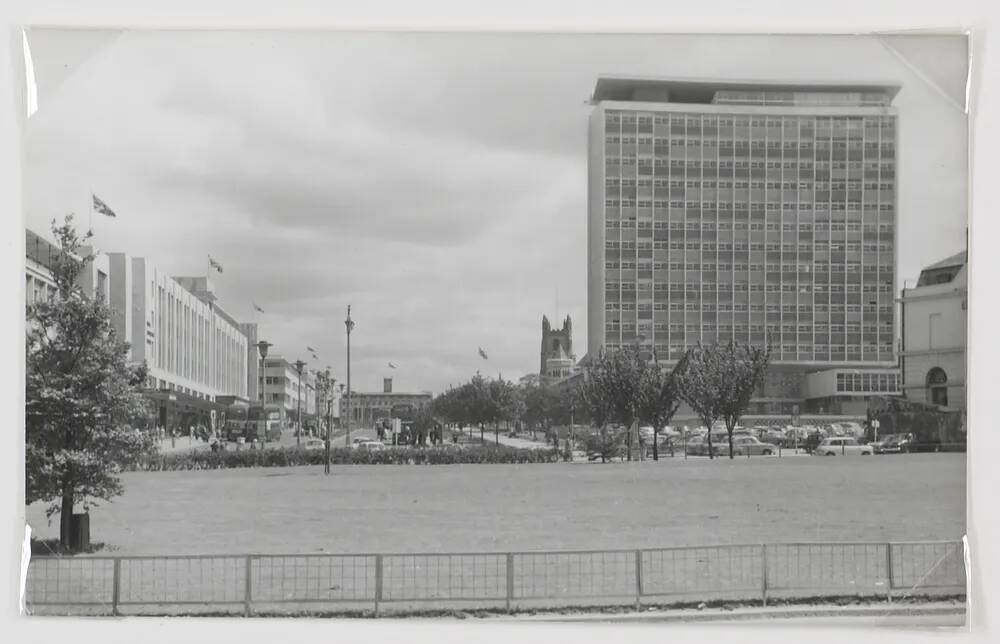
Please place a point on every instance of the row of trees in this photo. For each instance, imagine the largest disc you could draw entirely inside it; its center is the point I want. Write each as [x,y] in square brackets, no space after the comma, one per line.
[481,402]
[620,388]
[716,381]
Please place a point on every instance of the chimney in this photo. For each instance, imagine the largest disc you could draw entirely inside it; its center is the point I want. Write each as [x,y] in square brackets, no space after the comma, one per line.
[387,385]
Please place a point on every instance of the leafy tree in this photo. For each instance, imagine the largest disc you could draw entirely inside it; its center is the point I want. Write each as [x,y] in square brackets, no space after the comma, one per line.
[80,393]
[718,381]
[659,400]
[423,425]
[612,389]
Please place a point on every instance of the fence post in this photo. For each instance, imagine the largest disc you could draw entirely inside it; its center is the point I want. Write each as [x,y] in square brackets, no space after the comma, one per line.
[763,574]
[888,572]
[638,580]
[247,589]
[510,579]
[116,586]
[378,582]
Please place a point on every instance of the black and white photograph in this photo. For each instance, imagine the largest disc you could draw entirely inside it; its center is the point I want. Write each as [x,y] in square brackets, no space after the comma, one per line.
[503,327]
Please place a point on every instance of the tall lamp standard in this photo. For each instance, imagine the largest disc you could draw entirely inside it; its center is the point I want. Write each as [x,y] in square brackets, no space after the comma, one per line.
[262,348]
[349,323]
[299,365]
[325,384]
[342,396]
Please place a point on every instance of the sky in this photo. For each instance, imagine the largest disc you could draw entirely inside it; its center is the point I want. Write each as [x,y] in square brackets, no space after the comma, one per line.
[434,182]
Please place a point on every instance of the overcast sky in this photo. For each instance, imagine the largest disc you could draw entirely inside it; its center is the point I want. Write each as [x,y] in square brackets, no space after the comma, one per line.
[435,182]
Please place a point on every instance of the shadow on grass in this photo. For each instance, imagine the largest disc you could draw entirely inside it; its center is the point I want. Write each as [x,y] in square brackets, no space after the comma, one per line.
[52,547]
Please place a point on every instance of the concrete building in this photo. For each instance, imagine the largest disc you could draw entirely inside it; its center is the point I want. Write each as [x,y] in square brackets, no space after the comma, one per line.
[557,358]
[366,408]
[39,260]
[722,210]
[194,350]
[249,329]
[281,390]
[189,342]
[935,318]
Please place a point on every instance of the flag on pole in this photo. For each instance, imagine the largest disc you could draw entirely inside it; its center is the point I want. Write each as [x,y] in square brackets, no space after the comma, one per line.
[257,308]
[392,366]
[101,207]
[483,354]
[214,264]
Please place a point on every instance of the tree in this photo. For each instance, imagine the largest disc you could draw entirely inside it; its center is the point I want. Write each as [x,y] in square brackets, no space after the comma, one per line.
[718,381]
[80,393]
[611,390]
[659,400]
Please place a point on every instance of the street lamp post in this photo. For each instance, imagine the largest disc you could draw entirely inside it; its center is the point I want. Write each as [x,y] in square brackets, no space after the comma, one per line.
[325,383]
[262,348]
[299,365]
[349,323]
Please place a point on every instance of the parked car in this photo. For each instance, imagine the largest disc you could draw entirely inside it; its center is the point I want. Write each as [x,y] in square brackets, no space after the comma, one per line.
[697,446]
[371,445]
[837,446]
[743,445]
[773,436]
[811,442]
[314,443]
[898,443]
[878,446]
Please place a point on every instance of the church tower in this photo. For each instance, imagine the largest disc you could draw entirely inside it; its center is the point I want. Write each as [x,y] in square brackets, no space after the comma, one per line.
[557,357]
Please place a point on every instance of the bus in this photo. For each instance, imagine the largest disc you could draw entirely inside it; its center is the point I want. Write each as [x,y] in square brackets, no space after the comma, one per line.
[262,424]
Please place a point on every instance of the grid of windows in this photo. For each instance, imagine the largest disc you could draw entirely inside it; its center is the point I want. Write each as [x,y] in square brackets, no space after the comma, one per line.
[868,382]
[754,223]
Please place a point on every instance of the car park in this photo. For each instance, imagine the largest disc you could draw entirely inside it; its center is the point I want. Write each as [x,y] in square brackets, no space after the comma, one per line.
[842,446]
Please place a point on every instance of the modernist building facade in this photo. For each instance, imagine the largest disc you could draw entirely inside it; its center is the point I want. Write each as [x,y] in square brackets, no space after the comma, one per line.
[935,318]
[175,324]
[39,283]
[729,210]
[282,390]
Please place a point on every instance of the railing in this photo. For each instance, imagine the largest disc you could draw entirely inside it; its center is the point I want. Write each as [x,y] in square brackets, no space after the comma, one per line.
[334,582]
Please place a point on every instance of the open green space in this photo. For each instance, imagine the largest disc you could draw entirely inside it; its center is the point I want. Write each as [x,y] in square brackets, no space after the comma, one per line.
[473,508]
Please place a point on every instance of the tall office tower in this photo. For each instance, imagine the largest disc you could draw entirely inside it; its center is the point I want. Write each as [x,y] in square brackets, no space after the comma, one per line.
[723,210]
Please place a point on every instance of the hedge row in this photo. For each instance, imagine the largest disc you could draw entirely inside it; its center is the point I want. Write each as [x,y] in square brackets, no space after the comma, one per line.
[291,456]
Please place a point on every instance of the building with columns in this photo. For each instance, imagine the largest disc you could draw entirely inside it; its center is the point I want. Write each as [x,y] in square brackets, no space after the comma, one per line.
[935,321]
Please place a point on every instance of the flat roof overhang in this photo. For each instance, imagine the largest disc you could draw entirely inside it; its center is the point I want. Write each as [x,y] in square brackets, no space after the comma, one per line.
[693,90]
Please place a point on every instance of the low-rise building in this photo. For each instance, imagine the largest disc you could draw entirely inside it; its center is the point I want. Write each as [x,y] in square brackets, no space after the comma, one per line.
[366,408]
[935,317]
[39,259]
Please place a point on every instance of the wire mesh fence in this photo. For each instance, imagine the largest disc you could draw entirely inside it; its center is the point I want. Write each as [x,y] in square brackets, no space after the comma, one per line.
[276,583]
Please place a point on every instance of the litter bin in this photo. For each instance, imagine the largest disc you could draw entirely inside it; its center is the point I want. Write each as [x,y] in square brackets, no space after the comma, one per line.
[79,532]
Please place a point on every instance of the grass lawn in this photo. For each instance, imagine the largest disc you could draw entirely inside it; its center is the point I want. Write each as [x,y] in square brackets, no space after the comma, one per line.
[470,508]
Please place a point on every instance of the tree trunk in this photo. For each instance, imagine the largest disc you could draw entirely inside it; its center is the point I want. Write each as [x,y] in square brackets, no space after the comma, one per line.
[710,450]
[66,519]
[656,442]
[496,433]
[729,432]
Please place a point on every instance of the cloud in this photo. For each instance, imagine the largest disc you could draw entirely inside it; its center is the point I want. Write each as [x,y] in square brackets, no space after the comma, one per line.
[435,182]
